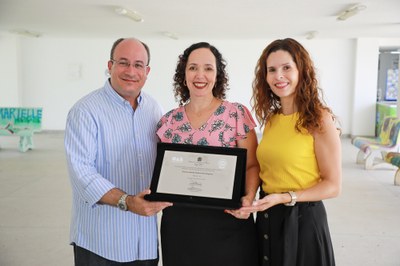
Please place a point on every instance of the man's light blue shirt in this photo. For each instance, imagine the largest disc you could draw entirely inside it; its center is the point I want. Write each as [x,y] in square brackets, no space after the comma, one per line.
[108,145]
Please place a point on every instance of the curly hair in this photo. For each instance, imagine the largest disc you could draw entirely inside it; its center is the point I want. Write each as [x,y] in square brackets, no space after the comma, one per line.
[308,96]
[181,90]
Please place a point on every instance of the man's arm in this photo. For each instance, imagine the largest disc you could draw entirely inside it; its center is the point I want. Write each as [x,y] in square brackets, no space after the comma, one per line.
[136,203]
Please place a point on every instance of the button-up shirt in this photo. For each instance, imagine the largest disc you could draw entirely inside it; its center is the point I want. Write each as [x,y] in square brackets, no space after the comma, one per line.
[108,145]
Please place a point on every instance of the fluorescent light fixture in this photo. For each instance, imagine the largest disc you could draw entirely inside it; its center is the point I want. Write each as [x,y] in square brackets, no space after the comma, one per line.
[311,35]
[351,11]
[26,33]
[129,14]
[170,35]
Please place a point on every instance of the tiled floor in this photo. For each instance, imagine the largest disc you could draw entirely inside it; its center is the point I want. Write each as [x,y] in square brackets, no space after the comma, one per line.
[35,202]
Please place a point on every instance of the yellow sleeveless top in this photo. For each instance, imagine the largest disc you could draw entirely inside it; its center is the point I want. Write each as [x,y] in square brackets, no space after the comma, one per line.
[287,158]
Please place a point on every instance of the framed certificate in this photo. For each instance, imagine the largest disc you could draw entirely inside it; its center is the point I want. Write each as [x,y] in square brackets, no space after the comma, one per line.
[204,176]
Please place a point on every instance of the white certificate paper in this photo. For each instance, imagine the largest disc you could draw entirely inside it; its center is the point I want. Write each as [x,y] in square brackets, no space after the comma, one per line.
[197,174]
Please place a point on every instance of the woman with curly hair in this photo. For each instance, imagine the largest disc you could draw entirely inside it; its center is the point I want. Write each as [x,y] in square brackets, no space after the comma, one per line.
[192,236]
[299,156]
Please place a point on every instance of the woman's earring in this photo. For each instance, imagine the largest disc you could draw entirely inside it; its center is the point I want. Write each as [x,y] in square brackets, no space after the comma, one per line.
[184,83]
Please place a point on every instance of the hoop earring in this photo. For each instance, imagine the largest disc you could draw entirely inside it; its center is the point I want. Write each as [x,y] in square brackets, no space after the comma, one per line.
[184,83]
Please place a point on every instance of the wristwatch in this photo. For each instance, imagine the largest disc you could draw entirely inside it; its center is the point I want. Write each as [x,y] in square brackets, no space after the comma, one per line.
[122,203]
[294,199]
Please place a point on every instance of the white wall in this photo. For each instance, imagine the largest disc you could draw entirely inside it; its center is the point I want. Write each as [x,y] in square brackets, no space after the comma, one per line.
[334,62]
[57,72]
[54,73]
[365,86]
[9,72]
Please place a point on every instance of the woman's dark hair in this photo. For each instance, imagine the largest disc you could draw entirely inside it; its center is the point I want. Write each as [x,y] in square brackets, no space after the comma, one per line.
[181,90]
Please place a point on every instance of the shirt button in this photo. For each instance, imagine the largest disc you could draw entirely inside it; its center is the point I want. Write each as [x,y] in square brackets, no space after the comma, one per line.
[265,258]
[265,236]
[266,215]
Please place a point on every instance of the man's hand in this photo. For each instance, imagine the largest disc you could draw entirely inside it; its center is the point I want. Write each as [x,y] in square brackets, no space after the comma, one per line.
[137,204]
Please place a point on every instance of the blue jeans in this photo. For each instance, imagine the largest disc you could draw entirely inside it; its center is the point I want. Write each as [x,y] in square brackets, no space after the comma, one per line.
[84,257]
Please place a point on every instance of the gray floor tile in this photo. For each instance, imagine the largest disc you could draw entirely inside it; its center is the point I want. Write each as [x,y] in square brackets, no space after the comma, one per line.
[35,204]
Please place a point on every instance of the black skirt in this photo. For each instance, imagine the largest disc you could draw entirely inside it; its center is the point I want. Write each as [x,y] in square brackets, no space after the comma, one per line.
[295,236]
[207,237]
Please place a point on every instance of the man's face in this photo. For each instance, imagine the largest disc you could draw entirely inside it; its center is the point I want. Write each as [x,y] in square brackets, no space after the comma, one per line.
[129,69]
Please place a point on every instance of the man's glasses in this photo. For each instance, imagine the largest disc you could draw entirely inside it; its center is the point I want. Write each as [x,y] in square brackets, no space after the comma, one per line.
[126,64]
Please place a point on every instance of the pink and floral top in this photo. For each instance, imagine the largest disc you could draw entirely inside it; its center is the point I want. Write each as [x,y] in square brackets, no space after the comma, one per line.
[229,123]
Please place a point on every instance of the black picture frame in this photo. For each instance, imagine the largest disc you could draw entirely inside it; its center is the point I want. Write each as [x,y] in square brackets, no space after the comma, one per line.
[191,198]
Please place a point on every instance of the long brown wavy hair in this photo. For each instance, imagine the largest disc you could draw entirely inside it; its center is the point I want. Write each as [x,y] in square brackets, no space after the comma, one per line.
[308,96]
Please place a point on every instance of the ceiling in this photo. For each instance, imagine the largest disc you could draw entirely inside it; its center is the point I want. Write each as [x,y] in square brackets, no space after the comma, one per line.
[200,19]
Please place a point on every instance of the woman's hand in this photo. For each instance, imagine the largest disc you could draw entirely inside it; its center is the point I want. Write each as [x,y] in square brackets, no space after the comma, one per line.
[259,205]
[242,213]
[269,201]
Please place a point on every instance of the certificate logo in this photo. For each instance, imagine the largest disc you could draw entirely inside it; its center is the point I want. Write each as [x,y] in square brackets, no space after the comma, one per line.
[177,159]
[222,164]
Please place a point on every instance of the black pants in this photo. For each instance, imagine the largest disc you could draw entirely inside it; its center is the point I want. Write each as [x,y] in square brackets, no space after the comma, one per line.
[84,257]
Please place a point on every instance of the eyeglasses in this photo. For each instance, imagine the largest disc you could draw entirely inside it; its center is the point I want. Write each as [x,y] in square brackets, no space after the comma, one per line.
[126,64]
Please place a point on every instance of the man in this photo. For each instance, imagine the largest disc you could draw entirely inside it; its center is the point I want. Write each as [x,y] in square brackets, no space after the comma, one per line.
[110,144]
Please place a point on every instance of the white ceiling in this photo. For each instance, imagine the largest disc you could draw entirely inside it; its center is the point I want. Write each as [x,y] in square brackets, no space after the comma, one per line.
[201,19]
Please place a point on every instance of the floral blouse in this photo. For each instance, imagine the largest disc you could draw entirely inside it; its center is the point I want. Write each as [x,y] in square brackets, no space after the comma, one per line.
[229,123]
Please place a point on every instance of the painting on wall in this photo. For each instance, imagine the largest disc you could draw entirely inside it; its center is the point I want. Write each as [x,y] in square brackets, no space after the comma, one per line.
[392,84]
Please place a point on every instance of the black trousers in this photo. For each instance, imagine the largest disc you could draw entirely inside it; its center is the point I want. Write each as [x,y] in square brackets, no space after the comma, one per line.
[84,257]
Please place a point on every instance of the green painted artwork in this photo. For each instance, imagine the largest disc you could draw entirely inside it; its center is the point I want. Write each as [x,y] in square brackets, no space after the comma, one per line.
[22,122]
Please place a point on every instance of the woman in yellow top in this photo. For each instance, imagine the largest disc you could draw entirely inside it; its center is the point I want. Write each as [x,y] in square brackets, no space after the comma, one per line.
[299,156]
